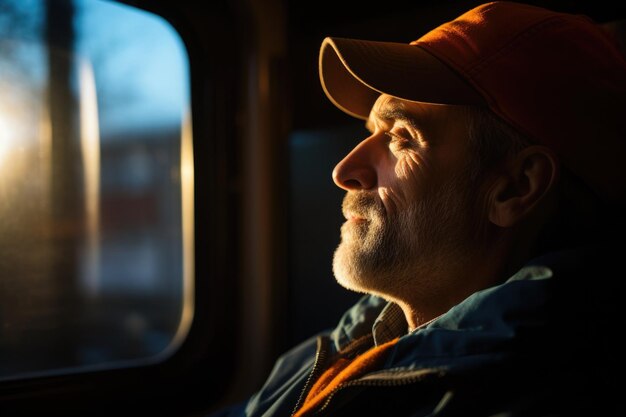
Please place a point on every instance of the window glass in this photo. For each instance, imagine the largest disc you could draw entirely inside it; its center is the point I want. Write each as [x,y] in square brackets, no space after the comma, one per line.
[96,187]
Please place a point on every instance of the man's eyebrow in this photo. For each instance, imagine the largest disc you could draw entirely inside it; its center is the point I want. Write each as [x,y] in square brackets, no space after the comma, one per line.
[393,113]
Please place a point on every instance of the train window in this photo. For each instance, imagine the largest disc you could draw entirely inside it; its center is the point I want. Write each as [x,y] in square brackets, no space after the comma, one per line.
[96,188]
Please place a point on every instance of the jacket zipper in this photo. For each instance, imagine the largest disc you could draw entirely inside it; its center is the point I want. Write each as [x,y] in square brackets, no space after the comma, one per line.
[320,358]
[382,380]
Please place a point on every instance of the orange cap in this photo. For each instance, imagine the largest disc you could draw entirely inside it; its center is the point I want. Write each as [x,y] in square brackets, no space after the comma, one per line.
[558,78]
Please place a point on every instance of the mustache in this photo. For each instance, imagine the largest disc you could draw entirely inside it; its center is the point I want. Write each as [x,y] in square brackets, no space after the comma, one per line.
[362,204]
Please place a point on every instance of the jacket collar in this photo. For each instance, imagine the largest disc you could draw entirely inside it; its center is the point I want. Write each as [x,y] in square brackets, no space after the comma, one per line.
[483,313]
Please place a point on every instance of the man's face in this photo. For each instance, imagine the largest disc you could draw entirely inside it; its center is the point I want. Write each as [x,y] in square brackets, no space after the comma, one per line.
[408,200]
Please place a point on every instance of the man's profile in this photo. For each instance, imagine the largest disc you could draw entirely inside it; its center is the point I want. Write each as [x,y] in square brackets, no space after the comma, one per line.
[481,212]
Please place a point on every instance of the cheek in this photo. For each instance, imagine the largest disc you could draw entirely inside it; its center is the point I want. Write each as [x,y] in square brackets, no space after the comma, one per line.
[410,166]
[402,183]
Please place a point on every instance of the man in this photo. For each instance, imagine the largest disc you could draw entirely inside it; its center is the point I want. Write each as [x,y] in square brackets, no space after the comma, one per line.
[479,217]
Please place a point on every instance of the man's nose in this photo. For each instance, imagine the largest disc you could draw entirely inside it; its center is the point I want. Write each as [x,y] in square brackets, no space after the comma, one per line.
[357,171]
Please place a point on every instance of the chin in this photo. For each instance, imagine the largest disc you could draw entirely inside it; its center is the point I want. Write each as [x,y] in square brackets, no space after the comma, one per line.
[347,271]
[343,271]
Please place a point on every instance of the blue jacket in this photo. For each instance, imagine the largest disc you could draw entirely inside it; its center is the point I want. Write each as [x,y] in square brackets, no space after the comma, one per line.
[540,344]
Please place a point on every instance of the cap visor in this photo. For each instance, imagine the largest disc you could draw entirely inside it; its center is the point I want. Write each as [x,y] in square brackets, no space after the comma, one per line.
[354,73]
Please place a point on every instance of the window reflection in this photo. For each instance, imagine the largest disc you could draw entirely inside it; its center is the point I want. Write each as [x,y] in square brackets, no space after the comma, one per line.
[96,187]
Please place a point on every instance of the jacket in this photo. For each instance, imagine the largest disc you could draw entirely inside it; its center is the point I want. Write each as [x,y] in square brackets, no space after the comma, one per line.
[540,344]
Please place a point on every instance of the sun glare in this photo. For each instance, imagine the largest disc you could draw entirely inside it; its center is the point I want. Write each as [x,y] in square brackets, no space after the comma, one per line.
[7,137]
[15,139]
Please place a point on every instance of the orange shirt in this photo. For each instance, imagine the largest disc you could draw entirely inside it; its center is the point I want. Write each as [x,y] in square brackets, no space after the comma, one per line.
[343,370]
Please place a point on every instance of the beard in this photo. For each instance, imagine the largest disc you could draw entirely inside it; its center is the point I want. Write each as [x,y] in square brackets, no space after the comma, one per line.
[385,255]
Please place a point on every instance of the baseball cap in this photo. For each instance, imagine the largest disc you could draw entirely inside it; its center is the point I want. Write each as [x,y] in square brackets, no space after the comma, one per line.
[558,78]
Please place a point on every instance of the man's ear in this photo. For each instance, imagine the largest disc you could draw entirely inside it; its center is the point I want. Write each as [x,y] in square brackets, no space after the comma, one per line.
[525,182]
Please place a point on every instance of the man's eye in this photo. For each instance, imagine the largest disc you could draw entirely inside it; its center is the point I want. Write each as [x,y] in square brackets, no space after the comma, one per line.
[399,140]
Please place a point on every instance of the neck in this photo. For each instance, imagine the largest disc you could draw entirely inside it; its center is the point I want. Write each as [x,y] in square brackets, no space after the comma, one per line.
[440,289]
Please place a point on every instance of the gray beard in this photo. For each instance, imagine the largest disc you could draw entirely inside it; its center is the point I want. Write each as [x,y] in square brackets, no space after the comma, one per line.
[385,255]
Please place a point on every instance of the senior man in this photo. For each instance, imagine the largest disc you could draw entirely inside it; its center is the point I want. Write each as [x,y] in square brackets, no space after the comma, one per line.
[481,213]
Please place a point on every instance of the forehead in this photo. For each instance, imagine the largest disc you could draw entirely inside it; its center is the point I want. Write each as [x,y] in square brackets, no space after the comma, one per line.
[431,118]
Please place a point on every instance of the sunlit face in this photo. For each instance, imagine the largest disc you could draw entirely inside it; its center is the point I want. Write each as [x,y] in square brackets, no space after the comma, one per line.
[408,201]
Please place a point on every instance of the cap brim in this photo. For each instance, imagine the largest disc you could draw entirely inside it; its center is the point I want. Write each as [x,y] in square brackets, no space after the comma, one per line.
[354,73]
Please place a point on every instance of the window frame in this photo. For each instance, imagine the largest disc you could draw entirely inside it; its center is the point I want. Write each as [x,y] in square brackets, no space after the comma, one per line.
[196,376]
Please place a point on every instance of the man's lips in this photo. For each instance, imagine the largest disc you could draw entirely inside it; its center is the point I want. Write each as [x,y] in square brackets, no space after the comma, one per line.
[355,217]
[361,207]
